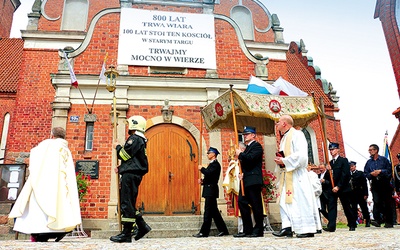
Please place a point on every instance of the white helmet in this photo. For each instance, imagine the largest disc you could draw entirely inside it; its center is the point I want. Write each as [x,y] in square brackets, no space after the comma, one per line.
[136,122]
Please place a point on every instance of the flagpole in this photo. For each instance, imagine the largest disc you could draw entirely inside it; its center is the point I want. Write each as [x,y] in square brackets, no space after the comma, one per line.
[103,69]
[236,135]
[84,100]
[389,156]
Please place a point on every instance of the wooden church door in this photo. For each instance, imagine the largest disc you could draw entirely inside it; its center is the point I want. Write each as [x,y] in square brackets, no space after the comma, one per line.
[170,187]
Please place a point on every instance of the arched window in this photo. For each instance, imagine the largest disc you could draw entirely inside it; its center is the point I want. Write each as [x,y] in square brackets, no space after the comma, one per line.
[75,15]
[310,148]
[242,16]
[4,135]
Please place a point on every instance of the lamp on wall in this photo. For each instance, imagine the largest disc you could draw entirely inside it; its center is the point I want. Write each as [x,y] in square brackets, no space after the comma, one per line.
[111,78]
[167,112]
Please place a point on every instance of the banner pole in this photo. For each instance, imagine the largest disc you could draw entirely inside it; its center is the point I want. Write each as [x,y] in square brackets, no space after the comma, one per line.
[236,135]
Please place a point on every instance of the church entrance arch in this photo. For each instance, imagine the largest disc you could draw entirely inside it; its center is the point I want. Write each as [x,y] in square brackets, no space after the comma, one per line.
[170,187]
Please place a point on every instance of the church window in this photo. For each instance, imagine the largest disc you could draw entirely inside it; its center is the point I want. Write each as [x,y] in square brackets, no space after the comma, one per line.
[89,136]
[310,148]
[242,16]
[4,135]
[75,15]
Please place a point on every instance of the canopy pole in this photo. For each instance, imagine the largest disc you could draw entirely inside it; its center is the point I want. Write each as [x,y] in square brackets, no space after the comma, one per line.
[236,135]
[321,122]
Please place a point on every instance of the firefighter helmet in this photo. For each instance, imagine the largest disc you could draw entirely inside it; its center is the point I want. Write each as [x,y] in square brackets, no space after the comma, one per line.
[136,122]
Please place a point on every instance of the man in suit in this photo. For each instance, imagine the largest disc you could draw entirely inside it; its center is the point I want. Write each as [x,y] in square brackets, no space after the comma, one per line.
[358,184]
[251,164]
[342,190]
[211,193]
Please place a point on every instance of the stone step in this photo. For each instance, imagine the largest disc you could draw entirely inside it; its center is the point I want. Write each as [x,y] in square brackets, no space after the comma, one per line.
[159,233]
[169,226]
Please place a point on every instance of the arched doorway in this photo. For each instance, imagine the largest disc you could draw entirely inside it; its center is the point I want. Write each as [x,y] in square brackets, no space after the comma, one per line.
[170,187]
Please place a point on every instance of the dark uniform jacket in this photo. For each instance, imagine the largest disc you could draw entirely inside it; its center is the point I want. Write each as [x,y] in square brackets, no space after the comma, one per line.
[251,164]
[341,174]
[210,181]
[326,185]
[382,181]
[358,183]
[133,156]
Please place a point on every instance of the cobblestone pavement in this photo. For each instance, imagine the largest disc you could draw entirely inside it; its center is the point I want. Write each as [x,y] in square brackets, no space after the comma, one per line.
[362,238]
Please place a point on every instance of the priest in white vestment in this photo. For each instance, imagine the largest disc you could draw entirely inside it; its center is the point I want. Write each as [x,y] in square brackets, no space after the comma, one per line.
[296,196]
[48,205]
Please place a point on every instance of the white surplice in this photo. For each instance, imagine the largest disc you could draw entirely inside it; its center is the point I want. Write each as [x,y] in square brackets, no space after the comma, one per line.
[302,214]
[49,200]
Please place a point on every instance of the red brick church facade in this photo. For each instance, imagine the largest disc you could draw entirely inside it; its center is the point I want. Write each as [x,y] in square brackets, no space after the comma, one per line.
[248,41]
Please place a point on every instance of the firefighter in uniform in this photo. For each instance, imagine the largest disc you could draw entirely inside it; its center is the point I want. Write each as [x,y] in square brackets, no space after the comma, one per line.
[134,166]
[359,186]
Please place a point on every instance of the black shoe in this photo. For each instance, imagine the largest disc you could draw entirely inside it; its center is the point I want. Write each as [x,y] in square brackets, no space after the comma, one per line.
[367,223]
[375,223]
[255,235]
[239,235]
[143,230]
[328,229]
[352,229]
[134,231]
[41,237]
[222,234]
[319,231]
[60,237]
[200,235]
[388,225]
[121,238]
[284,232]
[307,235]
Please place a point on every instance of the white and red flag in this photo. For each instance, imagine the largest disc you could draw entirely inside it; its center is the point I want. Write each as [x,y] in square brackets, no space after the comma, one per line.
[74,81]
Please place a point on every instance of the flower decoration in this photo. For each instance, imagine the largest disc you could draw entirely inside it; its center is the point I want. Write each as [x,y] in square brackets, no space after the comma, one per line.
[83,183]
[268,187]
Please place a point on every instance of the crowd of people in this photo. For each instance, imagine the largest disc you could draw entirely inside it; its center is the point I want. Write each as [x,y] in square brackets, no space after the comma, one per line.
[306,193]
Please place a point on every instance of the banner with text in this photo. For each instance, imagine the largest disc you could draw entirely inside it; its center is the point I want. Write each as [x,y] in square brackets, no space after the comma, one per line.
[167,39]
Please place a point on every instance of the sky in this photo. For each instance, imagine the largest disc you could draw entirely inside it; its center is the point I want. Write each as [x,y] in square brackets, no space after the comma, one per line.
[348,45]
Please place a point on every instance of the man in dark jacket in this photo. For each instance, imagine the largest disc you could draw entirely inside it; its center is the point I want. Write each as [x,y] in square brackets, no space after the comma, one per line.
[379,171]
[134,166]
[250,198]
[342,190]
[358,184]
[211,193]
